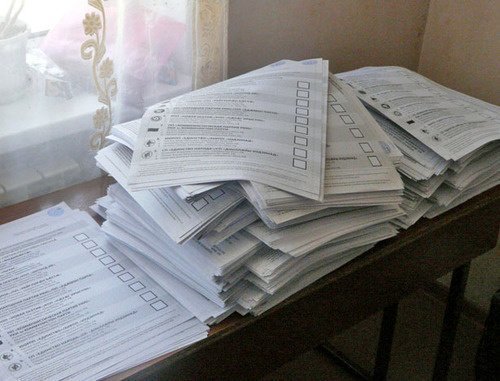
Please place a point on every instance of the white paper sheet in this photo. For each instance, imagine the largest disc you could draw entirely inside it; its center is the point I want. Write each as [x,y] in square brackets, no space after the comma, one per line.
[240,129]
[358,158]
[451,124]
[180,219]
[71,305]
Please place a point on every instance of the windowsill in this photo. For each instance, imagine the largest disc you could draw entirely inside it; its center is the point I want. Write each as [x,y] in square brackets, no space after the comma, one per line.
[34,118]
[44,141]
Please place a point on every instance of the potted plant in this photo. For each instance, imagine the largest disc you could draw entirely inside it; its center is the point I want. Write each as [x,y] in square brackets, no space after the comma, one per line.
[13,40]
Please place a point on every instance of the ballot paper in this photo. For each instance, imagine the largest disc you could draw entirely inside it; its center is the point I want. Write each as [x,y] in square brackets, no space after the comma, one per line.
[412,215]
[419,162]
[239,218]
[274,218]
[266,301]
[127,133]
[273,269]
[215,260]
[101,205]
[298,240]
[484,165]
[203,308]
[127,228]
[222,292]
[245,128]
[213,272]
[180,219]
[475,188]
[451,124]
[446,194]
[72,306]
[425,188]
[458,166]
[359,160]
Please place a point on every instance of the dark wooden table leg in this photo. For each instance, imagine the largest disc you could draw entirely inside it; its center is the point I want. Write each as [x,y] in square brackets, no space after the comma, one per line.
[385,339]
[342,360]
[450,321]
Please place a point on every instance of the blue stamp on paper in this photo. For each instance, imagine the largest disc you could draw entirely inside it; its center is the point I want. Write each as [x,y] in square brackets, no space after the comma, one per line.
[385,147]
[55,212]
[279,63]
[310,62]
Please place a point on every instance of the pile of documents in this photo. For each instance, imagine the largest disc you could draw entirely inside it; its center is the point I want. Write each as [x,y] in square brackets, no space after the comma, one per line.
[231,199]
[235,196]
[450,141]
[72,306]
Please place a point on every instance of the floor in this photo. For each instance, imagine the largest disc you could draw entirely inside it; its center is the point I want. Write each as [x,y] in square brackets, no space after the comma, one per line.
[415,343]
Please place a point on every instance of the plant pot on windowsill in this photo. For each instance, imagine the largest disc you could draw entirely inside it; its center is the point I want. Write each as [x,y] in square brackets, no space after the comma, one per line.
[14,79]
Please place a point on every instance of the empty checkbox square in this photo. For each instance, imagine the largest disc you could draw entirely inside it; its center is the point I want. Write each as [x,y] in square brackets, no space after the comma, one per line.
[301,164]
[98,252]
[302,94]
[301,120]
[303,85]
[116,269]
[338,108]
[107,260]
[302,130]
[125,277]
[199,204]
[366,147]
[159,305]
[356,132]
[137,286]
[81,237]
[300,140]
[300,152]
[302,111]
[374,161]
[216,194]
[331,98]
[147,296]
[302,102]
[89,244]
[346,119]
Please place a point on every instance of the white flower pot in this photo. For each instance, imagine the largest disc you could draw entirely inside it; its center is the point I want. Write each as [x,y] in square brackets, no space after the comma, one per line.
[14,79]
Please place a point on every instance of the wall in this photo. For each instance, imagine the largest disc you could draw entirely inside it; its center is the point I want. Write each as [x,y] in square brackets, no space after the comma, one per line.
[484,279]
[461,47]
[350,33]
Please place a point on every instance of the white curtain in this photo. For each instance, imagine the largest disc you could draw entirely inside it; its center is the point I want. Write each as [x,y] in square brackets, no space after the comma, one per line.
[100,64]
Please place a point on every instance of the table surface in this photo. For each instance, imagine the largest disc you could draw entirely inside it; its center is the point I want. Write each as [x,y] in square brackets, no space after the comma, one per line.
[250,347]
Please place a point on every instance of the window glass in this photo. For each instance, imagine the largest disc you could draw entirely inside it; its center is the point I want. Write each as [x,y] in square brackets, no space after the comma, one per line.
[82,68]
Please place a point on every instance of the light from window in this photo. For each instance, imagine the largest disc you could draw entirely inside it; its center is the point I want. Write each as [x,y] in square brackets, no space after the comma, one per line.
[42,15]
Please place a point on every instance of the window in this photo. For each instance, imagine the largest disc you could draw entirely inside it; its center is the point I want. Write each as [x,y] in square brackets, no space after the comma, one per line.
[68,94]
[41,16]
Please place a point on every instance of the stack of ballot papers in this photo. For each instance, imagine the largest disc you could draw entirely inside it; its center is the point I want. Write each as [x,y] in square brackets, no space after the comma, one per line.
[450,141]
[236,196]
[244,128]
[73,306]
[231,199]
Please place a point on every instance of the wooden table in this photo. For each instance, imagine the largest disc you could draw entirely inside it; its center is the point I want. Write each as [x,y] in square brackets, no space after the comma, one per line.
[249,347]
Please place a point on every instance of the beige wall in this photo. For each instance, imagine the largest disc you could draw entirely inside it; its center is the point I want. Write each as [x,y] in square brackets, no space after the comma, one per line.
[455,43]
[461,47]
[484,279]
[350,33]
